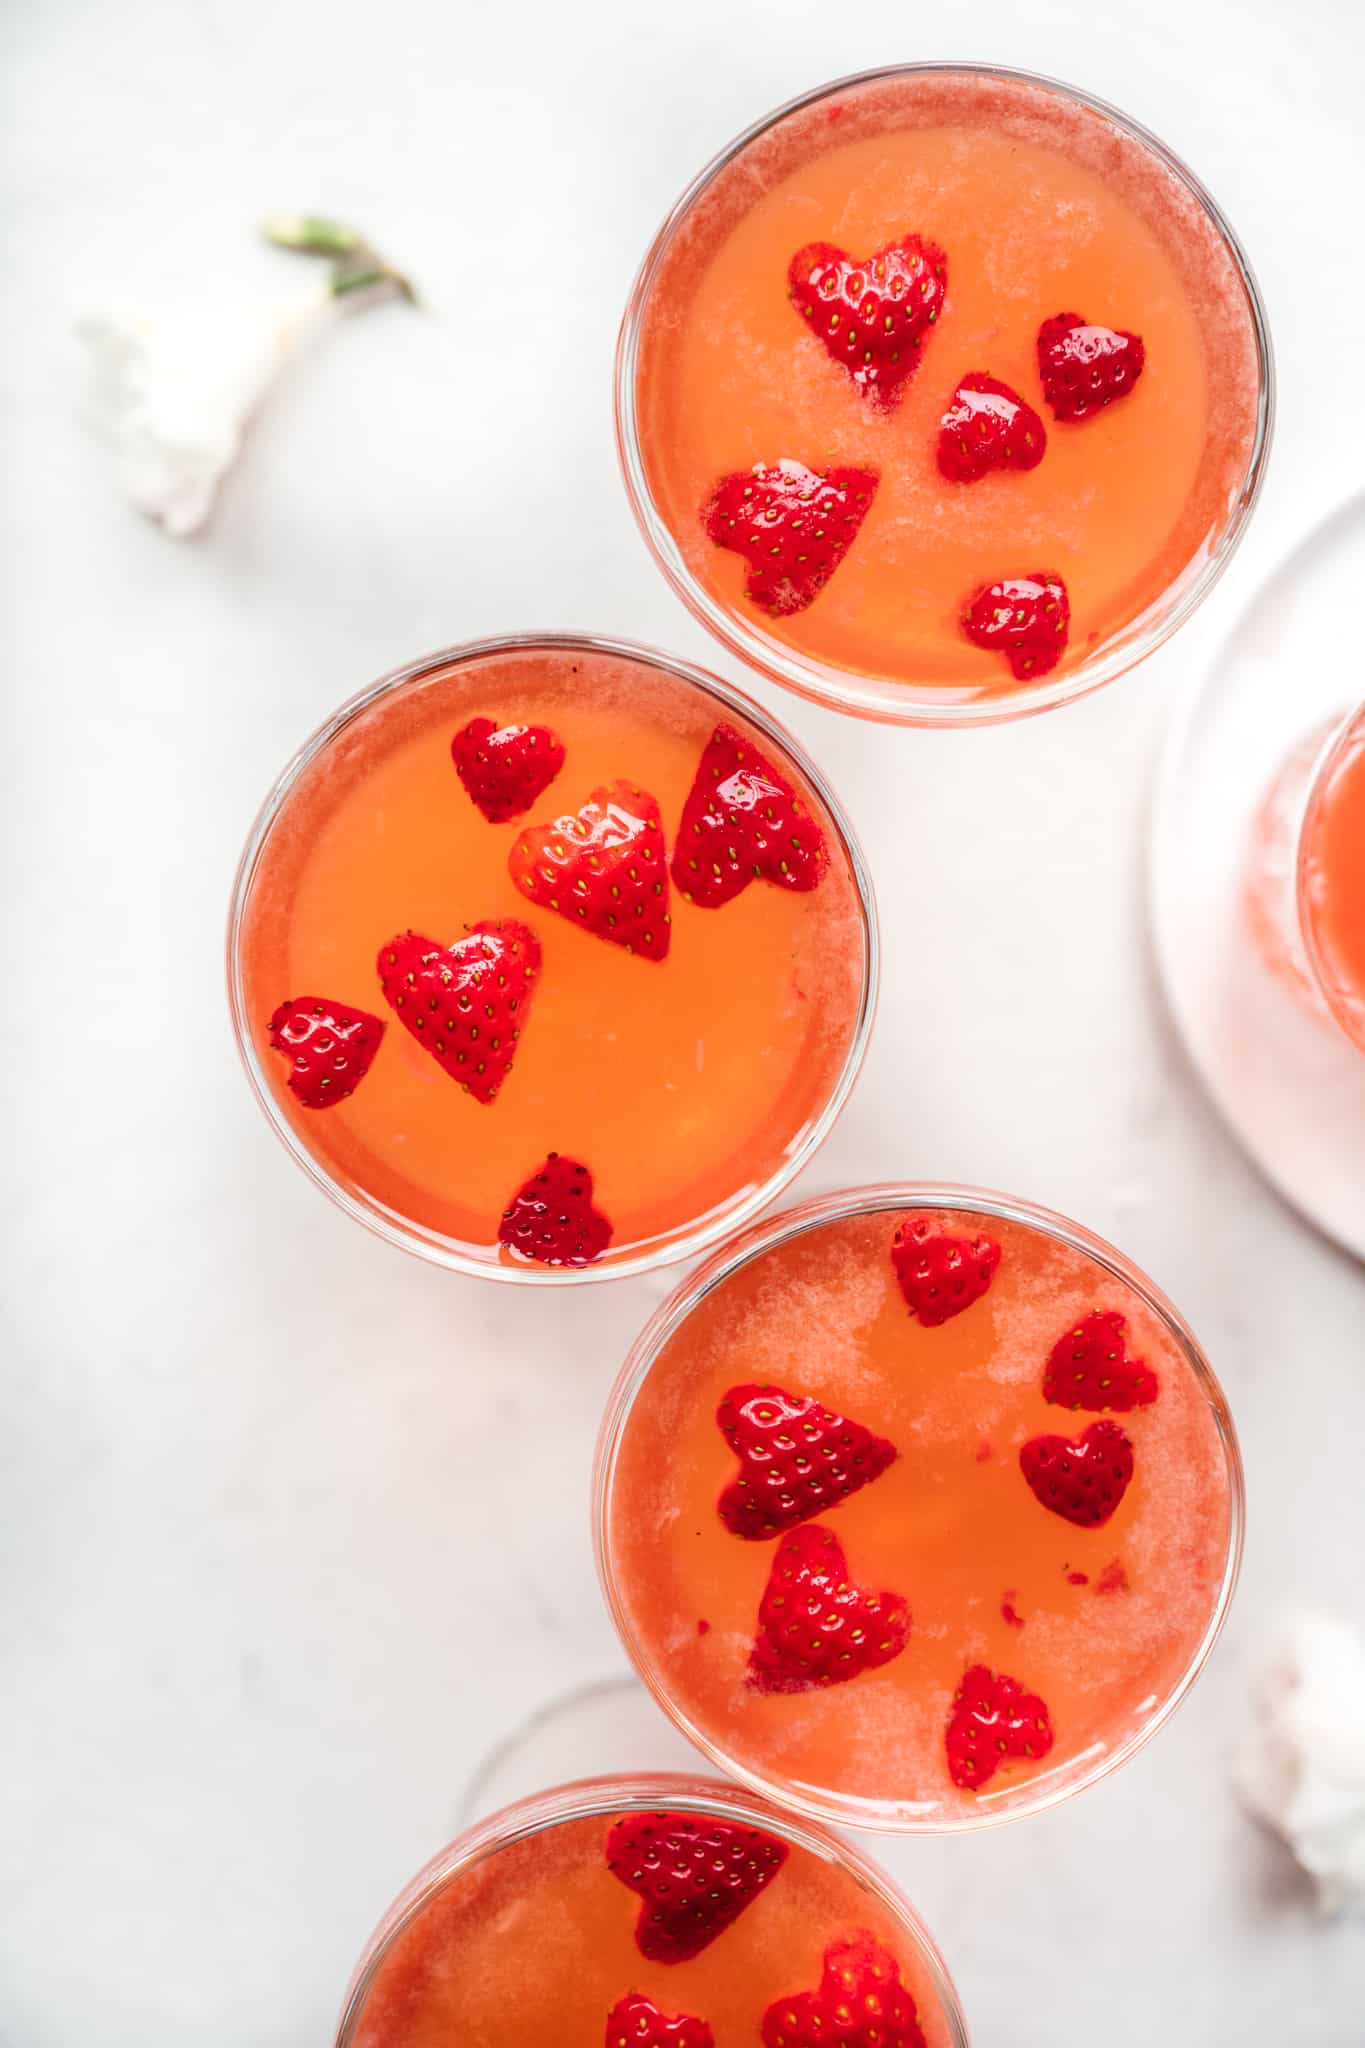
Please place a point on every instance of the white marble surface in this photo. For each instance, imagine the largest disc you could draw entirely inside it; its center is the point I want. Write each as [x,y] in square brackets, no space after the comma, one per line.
[291,1528]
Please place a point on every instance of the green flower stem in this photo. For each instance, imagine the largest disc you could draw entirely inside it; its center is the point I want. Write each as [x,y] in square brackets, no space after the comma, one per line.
[356,266]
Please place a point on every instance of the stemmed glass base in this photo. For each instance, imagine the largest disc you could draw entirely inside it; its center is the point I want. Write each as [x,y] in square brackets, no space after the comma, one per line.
[1287,1079]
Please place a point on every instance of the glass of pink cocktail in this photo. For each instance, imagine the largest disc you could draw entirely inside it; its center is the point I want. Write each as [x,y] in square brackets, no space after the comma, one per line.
[918,1508]
[943,394]
[668,1912]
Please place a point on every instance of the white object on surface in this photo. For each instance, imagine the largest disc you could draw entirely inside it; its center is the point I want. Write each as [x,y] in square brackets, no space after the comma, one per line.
[1305,1775]
[173,397]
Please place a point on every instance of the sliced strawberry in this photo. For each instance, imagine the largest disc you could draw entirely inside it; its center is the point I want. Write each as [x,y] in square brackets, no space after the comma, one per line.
[814,1626]
[695,1874]
[1025,618]
[994,1721]
[793,526]
[328,1045]
[874,315]
[861,2003]
[940,1275]
[743,821]
[505,768]
[466,1003]
[551,1217]
[1090,1368]
[1083,1480]
[604,867]
[1085,368]
[988,426]
[637,2022]
[796,1459]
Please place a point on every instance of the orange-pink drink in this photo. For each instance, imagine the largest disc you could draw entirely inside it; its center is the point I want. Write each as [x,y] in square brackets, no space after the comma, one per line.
[918,1512]
[943,387]
[650,1914]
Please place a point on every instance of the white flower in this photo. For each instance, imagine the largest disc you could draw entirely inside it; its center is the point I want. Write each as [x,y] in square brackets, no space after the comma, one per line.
[1305,1773]
[173,397]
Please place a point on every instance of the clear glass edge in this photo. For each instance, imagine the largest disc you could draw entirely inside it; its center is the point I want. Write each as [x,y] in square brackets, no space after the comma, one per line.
[867,697]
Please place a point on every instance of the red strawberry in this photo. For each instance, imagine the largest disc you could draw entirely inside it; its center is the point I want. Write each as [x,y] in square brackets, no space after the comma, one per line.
[1085,368]
[861,2003]
[873,316]
[1083,1480]
[505,768]
[466,1003]
[695,1875]
[637,2022]
[551,1217]
[994,1721]
[743,820]
[940,1275]
[793,525]
[796,1459]
[1025,618]
[604,867]
[329,1047]
[988,426]
[814,1626]
[1090,1368]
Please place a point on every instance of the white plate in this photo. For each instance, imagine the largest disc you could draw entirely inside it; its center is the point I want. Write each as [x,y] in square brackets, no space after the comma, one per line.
[1291,1085]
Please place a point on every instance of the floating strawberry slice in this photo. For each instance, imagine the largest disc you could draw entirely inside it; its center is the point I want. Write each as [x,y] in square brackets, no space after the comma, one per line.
[328,1045]
[1083,1480]
[793,526]
[814,1626]
[551,1217]
[637,2022]
[1025,618]
[604,867]
[1090,1368]
[861,2003]
[994,1721]
[1084,368]
[505,768]
[988,426]
[695,1875]
[742,820]
[940,1275]
[796,1459]
[466,1003]
[873,316]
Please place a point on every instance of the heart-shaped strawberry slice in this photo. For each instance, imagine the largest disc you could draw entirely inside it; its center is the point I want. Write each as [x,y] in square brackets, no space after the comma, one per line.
[815,1627]
[940,1275]
[695,1874]
[604,868]
[793,526]
[796,1459]
[861,2003]
[505,768]
[1084,367]
[467,1004]
[994,1722]
[1025,618]
[988,426]
[1090,1368]
[743,821]
[551,1217]
[637,2022]
[874,314]
[1082,1480]
[329,1047]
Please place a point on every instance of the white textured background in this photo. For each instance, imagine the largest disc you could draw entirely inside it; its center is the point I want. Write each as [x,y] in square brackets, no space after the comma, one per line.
[291,1528]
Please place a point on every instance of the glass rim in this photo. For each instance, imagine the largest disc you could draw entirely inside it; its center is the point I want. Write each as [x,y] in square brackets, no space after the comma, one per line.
[872,697]
[592,1798]
[1345,733]
[771,1232]
[454,1254]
